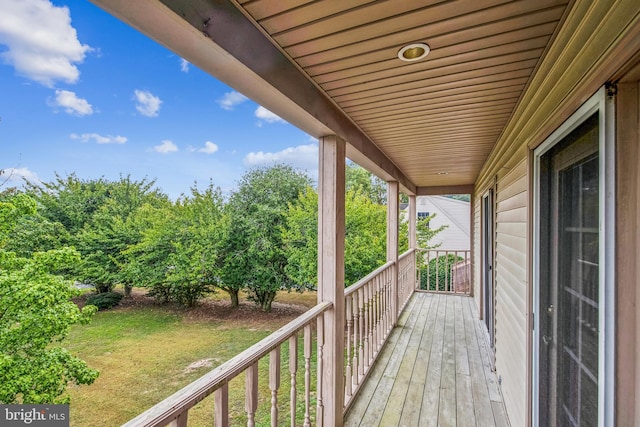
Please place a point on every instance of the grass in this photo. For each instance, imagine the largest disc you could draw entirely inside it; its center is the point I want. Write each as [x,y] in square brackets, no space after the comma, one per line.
[143,351]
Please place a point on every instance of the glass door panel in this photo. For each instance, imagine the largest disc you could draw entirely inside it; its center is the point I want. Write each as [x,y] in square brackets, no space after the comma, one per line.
[569,280]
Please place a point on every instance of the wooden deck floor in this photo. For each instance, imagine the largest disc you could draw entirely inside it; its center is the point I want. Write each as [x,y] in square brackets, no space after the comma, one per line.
[434,371]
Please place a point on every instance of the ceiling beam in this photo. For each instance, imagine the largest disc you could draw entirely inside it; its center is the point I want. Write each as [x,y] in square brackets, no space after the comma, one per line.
[445,190]
[217,37]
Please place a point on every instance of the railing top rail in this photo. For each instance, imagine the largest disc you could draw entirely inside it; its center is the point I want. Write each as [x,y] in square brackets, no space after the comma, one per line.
[406,254]
[443,250]
[360,283]
[182,400]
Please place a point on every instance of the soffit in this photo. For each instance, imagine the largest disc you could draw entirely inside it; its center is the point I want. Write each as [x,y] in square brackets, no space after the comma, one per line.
[437,119]
[331,66]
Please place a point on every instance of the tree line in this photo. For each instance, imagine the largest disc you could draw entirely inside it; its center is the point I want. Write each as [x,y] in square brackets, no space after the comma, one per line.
[261,239]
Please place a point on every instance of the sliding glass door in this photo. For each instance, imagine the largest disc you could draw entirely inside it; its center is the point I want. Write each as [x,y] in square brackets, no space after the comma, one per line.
[571,321]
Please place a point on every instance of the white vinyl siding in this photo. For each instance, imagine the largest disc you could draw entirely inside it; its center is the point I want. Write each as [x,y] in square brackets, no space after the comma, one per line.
[477,252]
[511,289]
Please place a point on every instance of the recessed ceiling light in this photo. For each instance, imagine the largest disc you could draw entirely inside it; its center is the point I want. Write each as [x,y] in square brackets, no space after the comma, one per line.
[413,52]
[443,173]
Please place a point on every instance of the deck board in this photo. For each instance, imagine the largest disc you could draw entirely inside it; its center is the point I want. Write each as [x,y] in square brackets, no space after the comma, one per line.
[434,371]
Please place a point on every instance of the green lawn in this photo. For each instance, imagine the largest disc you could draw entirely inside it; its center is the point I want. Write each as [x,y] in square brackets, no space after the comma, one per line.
[142,353]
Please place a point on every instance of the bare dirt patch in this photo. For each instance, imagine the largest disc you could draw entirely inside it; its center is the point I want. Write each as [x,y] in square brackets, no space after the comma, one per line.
[218,309]
[198,364]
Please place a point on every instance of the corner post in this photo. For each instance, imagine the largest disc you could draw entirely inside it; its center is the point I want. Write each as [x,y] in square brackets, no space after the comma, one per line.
[331,230]
[413,238]
[393,194]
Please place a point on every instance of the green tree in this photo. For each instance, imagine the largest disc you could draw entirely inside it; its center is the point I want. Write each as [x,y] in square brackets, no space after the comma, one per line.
[69,200]
[195,262]
[96,215]
[365,237]
[147,261]
[35,315]
[424,232]
[178,256]
[254,256]
[361,181]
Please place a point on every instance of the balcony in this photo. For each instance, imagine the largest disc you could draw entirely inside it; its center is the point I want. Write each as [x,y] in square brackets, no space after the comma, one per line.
[434,370]
[428,366]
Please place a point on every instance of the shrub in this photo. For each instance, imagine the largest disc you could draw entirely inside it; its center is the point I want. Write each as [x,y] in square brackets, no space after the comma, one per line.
[438,270]
[161,292]
[105,300]
[185,294]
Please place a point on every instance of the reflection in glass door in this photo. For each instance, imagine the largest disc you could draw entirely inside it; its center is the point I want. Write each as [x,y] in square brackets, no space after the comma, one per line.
[569,280]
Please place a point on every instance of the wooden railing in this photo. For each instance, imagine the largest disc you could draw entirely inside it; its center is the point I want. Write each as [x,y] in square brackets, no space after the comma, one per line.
[370,314]
[175,409]
[369,317]
[407,277]
[444,270]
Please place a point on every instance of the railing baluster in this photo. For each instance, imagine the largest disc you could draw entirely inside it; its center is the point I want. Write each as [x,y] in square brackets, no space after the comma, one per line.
[355,363]
[376,316]
[367,327]
[181,421]
[375,320]
[319,390]
[221,406]
[362,337]
[274,383]
[349,318]
[447,274]
[467,270]
[251,394]
[438,270]
[451,270]
[379,286]
[387,311]
[382,310]
[307,374]
[293,370]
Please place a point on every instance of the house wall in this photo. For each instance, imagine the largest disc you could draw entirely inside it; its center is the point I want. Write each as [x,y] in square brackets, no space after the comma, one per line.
[477,253]
[628,253]
[452,213]
[511,206]
[597,39]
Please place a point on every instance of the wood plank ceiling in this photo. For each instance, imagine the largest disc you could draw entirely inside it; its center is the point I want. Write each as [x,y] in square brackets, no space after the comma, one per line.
[437,118]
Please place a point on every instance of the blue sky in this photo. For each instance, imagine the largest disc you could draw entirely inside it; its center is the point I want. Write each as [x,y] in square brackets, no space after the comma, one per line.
[82,92]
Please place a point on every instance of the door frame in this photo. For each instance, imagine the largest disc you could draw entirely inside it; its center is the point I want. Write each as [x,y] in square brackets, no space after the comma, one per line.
[487,250]
[603,103]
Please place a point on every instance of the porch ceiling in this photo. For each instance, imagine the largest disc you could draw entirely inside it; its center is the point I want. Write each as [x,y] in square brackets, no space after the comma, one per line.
[332,67]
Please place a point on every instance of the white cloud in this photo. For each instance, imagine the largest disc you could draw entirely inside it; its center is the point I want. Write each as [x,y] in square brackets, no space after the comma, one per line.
[303,157]
[41,43]
[266,115]
[166,147]
[71,103]
[99,139]
[148,104]
[209,148]
[231,99]
[17,176]
[184,65]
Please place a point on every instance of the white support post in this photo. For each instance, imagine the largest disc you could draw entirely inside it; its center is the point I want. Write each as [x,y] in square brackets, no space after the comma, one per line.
[393,205]
[331,229]
[413,238]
